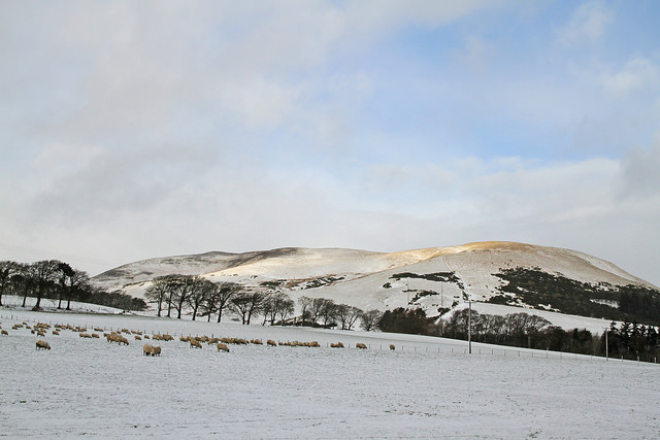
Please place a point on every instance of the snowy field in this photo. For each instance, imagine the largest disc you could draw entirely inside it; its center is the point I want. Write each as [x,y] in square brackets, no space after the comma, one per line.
[427,388]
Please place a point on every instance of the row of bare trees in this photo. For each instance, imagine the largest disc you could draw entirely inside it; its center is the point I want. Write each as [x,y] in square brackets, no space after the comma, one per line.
[326,313]
[206,298]
[174,293]
[41,279]
[55,279]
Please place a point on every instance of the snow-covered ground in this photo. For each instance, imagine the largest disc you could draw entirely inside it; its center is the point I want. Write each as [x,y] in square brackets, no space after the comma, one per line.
[426,388]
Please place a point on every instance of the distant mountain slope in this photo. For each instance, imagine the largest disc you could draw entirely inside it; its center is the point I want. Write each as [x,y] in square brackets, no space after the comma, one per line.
[434,279]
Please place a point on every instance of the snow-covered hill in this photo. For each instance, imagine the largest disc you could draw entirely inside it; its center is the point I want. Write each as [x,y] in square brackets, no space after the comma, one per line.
[432,278]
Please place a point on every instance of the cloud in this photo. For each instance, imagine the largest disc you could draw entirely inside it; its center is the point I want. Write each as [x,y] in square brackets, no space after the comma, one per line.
[145,128]
[638,74]
[587,23]
[641,176]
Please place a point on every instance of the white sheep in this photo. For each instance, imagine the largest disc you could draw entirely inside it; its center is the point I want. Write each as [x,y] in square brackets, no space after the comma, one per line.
[43,345]
[147,349]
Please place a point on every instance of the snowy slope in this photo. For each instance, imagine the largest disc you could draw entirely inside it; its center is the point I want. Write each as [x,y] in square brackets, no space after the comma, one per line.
[373,280]
[426,388]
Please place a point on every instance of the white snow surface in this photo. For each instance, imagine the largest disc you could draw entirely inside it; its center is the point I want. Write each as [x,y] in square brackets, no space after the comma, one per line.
[426,388]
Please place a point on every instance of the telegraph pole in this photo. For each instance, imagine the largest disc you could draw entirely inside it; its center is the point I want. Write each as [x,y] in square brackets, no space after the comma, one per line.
[607,347]
[469,325]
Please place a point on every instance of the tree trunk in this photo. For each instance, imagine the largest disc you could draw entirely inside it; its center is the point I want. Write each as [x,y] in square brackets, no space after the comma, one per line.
[25,294]
[219,314]
[179,309]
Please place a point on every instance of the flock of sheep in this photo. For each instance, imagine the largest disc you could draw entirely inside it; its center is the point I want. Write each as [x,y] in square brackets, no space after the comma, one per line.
[221,344]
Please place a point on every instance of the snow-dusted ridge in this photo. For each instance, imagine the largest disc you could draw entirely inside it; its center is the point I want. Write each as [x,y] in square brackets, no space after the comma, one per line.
[370,280]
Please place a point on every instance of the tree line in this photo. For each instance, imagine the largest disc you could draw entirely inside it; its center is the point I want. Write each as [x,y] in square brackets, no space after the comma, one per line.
[629,341]
[535,287]
[54,279]
[174,294]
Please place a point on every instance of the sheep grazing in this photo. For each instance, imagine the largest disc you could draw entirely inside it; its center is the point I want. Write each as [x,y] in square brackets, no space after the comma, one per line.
[117,338]
[271,343]
[222,347]
[146,337]
[337,345]
[392,347]
[95,336]
[4,332]
[151,350]
[183,339]
[137,338]
[167,338]
[56,333]
[361,346]
[195,344]
[84,335]
[42,345]
[256,342]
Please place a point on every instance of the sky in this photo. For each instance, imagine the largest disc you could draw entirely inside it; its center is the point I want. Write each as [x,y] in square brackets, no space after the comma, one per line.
[131,130]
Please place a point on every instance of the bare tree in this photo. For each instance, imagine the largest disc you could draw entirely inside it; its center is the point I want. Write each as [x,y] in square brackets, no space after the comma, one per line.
[179,290]
[247,304]
[226,292]
[158,292]
[200,290]
[181,286]
[316,309]
[43,273]
[305,305]
[328,312]
[25,279]
[77,280]
[285,307]
[66,273]
[370,318]
[278,303]
[348,315]
[210,303]
[7,270]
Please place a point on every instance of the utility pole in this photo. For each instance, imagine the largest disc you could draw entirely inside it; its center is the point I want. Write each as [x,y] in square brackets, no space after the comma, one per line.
[607,347]
[469,325]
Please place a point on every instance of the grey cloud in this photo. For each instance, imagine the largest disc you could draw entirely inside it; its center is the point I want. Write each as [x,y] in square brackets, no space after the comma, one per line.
[641,172]
[116,181]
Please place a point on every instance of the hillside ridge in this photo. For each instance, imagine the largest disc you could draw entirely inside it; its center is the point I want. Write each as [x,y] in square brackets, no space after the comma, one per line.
[435,279]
